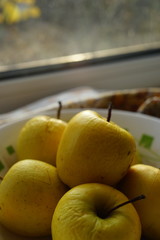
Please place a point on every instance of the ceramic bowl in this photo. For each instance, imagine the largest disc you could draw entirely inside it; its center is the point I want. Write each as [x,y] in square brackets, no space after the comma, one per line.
[145,129]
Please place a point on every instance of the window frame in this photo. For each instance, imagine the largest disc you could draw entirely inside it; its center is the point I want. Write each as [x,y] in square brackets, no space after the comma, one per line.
[75,61]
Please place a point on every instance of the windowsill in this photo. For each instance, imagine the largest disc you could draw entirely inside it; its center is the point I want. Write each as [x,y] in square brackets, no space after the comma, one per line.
[127,73]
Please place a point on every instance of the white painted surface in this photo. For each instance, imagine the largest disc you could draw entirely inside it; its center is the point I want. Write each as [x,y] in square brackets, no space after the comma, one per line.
[136,73]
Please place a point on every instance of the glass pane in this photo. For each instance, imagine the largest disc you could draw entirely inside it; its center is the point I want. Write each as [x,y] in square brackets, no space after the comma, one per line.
[36,29]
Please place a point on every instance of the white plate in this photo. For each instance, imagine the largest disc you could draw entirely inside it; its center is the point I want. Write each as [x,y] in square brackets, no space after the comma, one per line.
[145,129]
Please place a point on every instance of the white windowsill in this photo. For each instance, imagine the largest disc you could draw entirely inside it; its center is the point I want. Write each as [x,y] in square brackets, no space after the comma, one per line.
[136,73]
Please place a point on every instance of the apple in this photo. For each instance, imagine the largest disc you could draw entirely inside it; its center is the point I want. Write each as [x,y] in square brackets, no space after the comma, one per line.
[95,211]
[137,158]
[39,139]
[94,149]
[145,179]
[29,193]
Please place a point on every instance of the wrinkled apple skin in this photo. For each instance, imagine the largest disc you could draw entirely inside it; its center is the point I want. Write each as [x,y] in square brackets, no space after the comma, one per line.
[82,213]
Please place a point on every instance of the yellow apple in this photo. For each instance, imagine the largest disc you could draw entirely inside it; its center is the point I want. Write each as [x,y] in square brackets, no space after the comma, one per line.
[137,158]
[39,139]
[93,149]
[29,193]
[84,213]
[145,179]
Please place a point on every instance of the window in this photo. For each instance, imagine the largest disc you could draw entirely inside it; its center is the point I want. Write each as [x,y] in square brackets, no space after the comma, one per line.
[49,46]
[34,30]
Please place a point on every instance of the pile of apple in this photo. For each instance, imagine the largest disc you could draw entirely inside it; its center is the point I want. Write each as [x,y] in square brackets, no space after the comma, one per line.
[77,181]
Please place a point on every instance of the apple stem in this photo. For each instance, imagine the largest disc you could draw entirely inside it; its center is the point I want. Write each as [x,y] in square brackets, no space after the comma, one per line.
[1,178]
[140,197]
[59,110]
[109,112]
